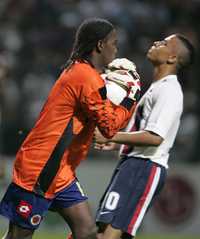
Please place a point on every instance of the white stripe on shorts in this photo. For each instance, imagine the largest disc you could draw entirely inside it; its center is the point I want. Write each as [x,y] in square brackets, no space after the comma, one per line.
[147,201]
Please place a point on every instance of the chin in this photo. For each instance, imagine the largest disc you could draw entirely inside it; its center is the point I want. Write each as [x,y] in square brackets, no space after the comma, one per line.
[109,61]
[149,55]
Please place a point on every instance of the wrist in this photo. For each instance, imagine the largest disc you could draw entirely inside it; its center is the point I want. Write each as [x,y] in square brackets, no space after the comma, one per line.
[113,139]
[109,140]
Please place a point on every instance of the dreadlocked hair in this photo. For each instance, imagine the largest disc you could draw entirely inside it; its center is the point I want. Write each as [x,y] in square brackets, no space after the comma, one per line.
[87,37]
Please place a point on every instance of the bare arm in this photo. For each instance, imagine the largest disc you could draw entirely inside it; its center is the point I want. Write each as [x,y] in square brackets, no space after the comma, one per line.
[139,138]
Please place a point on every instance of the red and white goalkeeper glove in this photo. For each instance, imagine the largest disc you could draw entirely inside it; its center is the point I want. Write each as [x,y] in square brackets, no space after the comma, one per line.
[123,72]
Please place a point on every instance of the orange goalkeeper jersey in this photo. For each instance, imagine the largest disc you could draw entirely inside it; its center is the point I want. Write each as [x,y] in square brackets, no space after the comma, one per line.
[60,139]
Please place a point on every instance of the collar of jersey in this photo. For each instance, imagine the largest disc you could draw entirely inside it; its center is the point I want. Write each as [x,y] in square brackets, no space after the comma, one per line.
[168,77]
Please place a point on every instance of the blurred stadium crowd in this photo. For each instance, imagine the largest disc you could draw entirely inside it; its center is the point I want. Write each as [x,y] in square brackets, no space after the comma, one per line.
[36,37]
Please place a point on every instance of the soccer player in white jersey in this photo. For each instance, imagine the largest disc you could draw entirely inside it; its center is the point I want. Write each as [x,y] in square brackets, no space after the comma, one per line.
[145,143]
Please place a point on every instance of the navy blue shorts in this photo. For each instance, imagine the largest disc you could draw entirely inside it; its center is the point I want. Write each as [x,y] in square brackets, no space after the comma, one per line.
[27,209]
[133,186]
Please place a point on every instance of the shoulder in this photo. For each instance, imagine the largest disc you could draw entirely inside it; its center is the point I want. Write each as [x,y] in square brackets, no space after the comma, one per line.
[80,74]
[169,86]
[167,93]
[86,71]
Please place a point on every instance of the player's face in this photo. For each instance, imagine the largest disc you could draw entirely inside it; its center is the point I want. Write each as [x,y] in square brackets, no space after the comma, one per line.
[109,48]
[162,50]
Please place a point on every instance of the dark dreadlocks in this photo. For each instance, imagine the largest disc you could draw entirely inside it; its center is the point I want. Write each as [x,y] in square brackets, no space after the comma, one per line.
[87,37]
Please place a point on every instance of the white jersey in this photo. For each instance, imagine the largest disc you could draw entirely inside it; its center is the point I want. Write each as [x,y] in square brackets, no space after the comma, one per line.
[158,111]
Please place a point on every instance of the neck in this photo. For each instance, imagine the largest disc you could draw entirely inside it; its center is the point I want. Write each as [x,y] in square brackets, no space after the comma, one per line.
[97,65]
[162,71]
[97,62]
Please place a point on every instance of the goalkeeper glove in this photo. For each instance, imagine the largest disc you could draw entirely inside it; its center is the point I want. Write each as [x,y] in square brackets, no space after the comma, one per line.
[123,72]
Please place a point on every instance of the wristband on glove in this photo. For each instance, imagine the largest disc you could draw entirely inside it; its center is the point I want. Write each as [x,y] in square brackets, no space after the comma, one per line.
[134,93]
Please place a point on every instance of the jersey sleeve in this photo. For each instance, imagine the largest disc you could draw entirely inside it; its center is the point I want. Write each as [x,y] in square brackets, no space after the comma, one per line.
[167,108]
[109,118]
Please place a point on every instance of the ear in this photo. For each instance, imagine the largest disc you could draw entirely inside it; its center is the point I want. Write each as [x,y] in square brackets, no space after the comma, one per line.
[172,59]
[99,46]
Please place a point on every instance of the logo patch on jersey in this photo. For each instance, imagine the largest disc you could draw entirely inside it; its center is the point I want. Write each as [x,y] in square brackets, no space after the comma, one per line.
[36,219]
[24,209]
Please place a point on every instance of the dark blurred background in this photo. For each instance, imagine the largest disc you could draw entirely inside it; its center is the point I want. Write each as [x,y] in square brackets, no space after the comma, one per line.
[36,38]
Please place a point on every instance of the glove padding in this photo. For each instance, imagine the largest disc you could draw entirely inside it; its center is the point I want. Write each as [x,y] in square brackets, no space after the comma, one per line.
[121,77]
[123,72]
[122,64]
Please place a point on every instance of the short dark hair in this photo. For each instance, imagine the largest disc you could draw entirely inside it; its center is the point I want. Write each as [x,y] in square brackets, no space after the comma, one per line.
[87,36]
[189,59]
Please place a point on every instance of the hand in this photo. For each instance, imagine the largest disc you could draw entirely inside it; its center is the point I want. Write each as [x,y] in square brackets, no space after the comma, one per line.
[120,77]
[122,63]
[106,147]
[124,73]
[122,66]
[99,138]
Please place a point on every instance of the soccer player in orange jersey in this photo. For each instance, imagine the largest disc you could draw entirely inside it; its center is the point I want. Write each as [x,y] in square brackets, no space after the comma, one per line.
[44,170]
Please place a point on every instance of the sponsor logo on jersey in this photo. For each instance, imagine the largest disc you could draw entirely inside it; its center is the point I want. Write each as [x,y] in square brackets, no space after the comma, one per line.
[36,219]
[24,209]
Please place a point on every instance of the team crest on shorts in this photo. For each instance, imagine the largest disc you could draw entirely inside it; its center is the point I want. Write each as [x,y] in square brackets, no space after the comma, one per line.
[36,219]
[24,209]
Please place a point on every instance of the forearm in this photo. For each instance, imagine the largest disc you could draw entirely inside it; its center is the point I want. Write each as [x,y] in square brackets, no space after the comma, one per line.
[140,138]
[109,118]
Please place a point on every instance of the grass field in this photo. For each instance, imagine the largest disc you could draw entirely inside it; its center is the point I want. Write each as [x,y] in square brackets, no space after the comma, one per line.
[51,235]
[41,235]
